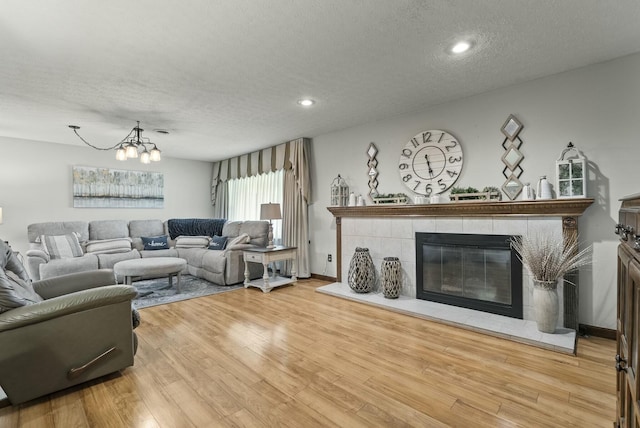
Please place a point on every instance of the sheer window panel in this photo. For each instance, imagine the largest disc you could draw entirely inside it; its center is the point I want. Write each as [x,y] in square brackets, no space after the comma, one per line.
[247,194]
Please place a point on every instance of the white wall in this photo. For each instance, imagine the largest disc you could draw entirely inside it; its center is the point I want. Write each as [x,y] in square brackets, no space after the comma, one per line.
[595,107]
[36,186]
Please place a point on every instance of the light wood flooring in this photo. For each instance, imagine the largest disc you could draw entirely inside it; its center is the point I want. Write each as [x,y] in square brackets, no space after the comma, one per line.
[298,358]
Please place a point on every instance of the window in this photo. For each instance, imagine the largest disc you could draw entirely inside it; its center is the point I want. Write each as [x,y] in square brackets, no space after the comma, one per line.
[247,194]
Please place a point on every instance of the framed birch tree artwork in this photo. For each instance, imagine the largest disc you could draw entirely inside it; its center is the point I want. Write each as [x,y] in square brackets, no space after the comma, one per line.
[117,188]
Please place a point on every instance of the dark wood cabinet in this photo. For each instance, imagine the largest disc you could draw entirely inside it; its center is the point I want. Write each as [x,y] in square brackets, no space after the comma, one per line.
[628,314]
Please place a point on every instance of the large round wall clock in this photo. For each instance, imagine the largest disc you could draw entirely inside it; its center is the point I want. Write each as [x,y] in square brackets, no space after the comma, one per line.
[431,162]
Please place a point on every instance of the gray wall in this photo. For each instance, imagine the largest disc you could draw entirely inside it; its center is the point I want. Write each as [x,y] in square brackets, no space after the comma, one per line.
[595,107]
[35,186]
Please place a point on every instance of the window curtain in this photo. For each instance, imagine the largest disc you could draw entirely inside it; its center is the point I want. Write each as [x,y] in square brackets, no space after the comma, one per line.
[246,195]
[295,213]
[219,192]
[292,157]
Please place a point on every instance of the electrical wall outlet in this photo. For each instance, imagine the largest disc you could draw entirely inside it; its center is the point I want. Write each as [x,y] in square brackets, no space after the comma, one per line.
[329,257]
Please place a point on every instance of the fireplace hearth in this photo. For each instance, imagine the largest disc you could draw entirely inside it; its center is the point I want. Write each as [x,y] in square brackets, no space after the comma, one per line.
[474,271]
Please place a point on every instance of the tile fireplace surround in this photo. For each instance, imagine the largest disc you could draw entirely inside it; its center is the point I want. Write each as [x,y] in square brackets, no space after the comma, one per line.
[390,231]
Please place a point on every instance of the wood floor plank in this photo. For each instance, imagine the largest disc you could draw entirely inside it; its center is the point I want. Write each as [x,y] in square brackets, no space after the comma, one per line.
[295,357]
[165,410]
[67,409]
[197,410]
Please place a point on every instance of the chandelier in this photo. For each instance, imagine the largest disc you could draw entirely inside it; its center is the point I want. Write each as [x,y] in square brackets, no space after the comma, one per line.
[132,146]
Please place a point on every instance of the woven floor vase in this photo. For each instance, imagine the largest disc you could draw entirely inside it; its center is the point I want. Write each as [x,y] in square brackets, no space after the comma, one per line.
[361,271]
[546,305]
[391,273]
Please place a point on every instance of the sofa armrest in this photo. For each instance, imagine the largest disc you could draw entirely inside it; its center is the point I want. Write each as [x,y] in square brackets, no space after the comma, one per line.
[35,258]
[73,282]
[239,247]
[65,305]
[39,254]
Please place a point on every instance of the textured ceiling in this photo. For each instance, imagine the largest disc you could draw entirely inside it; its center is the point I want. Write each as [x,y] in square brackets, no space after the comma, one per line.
[223,77]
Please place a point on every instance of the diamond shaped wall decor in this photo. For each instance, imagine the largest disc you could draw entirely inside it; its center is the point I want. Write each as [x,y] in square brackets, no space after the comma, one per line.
[512,157]
[372,151]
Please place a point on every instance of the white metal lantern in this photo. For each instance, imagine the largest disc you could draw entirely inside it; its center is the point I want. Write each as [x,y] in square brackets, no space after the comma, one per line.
[339,192]
[571,174]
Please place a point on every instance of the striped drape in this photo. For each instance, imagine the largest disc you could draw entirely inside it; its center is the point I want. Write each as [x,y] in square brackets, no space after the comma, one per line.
[291,156]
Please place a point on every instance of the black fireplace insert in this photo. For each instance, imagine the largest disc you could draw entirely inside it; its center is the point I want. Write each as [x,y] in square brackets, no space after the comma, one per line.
[473,271]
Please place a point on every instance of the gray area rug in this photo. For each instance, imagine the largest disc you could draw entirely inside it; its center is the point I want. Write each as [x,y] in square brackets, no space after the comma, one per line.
[153,292]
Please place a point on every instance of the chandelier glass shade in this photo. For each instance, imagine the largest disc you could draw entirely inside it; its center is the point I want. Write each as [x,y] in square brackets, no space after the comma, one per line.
[132,146]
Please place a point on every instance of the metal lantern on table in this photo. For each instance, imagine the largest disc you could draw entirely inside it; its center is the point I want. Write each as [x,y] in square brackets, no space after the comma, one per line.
[571,174]
[339,192]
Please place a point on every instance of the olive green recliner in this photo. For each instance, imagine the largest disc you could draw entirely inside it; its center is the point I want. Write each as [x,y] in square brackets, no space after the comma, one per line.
[78,327]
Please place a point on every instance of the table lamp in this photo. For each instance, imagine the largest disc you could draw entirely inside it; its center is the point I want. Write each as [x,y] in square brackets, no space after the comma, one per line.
[270,212]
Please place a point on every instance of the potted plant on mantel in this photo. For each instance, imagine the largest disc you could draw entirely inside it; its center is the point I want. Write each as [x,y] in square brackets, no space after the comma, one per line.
[548,257]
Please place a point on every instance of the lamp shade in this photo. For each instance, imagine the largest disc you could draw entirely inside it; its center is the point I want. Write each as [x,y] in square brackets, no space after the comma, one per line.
[270,212]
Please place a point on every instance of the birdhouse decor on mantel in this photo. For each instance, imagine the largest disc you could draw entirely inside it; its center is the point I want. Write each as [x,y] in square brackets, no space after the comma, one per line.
[571,174]
[339,192]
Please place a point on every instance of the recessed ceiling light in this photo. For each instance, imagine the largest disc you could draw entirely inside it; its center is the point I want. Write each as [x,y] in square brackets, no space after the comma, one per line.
[461,47]
[306,102]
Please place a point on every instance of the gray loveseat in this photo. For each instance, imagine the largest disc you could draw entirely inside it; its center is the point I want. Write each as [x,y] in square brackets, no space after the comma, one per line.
[103,240]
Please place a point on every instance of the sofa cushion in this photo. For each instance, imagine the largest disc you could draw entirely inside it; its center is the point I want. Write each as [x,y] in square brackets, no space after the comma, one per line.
[106,261]
[195,226]
[155,243]
[108,229]
[169,252]
[231,228]
[35,230]
[192,241]
[214,261]
[241,239]
[64,266]
[257,230]
[193,256]
[109,246]
[218,243]
[14,292]
[61,246]
[139,228]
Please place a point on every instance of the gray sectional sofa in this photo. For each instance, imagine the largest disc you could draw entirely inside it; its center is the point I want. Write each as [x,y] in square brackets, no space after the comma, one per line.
[104,243]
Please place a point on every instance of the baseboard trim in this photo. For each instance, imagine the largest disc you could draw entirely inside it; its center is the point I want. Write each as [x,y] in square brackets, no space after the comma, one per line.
[323,277]
[590,330]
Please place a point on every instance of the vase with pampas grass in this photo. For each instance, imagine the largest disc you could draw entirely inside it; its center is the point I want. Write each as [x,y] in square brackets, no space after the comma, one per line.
[548,256]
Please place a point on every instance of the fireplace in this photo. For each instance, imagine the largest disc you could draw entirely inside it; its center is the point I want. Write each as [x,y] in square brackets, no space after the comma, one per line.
[474,271]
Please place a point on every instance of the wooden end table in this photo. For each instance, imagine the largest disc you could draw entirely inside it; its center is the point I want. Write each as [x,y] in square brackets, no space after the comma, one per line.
[266,256]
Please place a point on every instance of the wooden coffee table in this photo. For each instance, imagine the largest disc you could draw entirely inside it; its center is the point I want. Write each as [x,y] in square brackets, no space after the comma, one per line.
[135,269]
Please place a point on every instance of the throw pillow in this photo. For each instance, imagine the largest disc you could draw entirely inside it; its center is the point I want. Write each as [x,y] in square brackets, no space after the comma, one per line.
[14,292]
[61,246]
[109,246]
[240,239]
[192,241]
[155,242]
[218,243]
